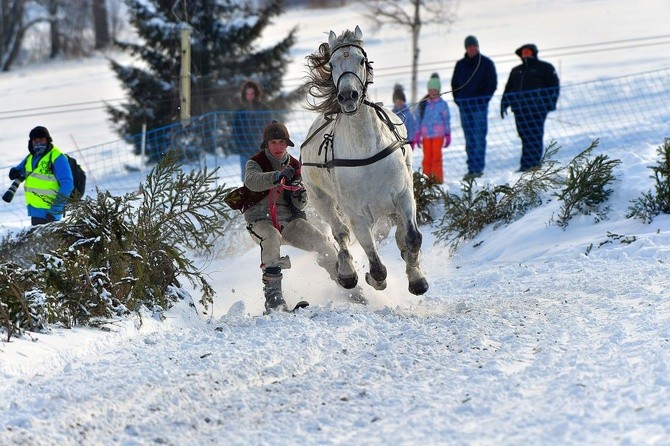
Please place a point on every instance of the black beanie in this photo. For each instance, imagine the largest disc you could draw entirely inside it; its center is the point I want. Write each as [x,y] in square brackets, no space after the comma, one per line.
[398,93]
[40,132]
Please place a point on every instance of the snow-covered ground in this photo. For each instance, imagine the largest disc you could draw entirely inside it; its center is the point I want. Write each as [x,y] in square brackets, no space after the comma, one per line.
[528,335]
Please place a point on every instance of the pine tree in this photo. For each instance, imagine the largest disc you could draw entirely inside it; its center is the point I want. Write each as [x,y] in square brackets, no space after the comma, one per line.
[224,53]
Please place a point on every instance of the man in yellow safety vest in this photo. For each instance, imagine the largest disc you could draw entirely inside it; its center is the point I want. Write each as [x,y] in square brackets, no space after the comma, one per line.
[47,178]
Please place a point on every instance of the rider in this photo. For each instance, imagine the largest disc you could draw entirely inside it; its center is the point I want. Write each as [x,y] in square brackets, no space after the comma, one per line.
[274,201]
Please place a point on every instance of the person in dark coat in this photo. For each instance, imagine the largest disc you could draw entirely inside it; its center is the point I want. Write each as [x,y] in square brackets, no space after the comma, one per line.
[248,122]
[532,91]
[473,83]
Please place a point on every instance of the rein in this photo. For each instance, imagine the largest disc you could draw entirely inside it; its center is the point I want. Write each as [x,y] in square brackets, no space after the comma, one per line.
[272,200]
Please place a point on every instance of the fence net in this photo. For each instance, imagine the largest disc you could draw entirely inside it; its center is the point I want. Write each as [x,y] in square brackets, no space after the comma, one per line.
[625,112]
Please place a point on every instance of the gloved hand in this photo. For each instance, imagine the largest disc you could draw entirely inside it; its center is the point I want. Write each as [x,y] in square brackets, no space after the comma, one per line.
[503,111]
[447,139]
[288,173]
[416,140]
[15,173]
[299,196]
[50,217]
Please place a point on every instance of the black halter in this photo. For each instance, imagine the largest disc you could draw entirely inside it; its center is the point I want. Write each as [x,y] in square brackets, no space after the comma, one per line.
[368,68]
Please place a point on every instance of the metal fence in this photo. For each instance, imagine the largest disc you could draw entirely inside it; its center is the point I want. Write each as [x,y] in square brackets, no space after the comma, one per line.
[624,112]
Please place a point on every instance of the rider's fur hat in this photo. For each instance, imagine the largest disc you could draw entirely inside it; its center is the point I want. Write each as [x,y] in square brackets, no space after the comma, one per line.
[276,130]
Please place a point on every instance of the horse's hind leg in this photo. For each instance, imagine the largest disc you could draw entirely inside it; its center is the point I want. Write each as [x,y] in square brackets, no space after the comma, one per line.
[324,205]
[409,239]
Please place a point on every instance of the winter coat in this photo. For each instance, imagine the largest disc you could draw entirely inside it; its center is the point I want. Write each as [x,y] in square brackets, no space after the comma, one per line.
[434,119]
[248,125]
[48,183]
[532,86]
[258,180]
[474,80]
[408,118]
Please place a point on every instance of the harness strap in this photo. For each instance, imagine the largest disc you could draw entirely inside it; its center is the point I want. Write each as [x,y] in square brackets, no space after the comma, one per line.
[349,162]
[329,119]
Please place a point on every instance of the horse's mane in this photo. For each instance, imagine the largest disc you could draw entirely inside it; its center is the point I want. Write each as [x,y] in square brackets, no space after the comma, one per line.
[320,84]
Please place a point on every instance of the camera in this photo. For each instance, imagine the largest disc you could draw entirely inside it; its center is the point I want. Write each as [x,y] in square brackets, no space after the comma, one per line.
[9,195]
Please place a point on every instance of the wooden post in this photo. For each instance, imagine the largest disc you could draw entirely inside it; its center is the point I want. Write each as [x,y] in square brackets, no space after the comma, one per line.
[185,78]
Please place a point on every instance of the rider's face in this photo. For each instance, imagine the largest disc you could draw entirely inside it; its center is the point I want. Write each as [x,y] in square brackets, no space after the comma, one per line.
[277,148]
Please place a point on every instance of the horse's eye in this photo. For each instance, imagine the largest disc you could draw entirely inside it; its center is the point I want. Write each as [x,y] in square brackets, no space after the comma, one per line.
[362,61]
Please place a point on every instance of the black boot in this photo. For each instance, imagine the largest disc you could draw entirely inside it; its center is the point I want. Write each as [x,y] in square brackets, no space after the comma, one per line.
[274,300]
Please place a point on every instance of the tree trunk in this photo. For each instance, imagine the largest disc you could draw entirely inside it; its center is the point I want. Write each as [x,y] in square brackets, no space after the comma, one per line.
[12,32]
[53,25]
[416,31]
[100,24]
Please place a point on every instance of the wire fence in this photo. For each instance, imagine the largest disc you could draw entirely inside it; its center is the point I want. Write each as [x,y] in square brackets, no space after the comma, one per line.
[625,112]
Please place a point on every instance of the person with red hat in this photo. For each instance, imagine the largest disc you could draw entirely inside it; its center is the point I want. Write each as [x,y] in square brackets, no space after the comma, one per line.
[273,200]
[46,176]
[532,92]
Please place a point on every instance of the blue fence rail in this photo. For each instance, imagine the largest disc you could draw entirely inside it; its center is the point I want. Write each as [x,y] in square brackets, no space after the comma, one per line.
[625,112]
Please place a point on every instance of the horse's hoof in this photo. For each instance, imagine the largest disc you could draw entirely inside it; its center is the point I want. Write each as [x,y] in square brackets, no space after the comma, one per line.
[418,287]
[377,285]
[348,282]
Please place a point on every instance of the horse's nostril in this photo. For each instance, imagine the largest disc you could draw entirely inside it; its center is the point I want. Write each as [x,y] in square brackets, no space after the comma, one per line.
[354,95]
[340,98]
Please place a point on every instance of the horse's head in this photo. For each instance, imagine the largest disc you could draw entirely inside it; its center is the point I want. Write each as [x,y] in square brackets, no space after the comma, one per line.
[350,68]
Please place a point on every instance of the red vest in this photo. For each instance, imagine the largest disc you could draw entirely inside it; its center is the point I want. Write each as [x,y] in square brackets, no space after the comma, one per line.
[243,198]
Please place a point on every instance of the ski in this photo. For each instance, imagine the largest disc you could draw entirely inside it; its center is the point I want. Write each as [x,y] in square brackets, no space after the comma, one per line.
[296,307]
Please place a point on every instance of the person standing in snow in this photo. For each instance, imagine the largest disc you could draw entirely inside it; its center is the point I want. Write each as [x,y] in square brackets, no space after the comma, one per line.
[273,199]
[434,131]
[401,109]
[47,178]
[248,122]
[532,91]
[473,83]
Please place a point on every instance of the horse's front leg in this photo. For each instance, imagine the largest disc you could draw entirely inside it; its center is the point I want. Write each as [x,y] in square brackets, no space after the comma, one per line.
[409,239]
[326,208]
[363,232]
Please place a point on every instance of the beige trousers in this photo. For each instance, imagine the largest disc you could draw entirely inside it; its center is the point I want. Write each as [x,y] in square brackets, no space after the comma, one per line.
[298,233]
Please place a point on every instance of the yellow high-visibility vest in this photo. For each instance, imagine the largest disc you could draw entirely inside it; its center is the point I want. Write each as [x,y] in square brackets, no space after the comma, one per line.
[41,185]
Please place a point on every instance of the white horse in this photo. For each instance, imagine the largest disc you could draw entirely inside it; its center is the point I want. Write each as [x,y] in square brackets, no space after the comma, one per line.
[357,163]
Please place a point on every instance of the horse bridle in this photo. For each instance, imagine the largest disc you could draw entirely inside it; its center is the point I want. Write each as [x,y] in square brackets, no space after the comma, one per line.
[368,68]
[327,142]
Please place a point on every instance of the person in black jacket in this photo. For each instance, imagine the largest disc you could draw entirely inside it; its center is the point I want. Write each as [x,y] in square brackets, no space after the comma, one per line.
[532,91]
[473,83]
